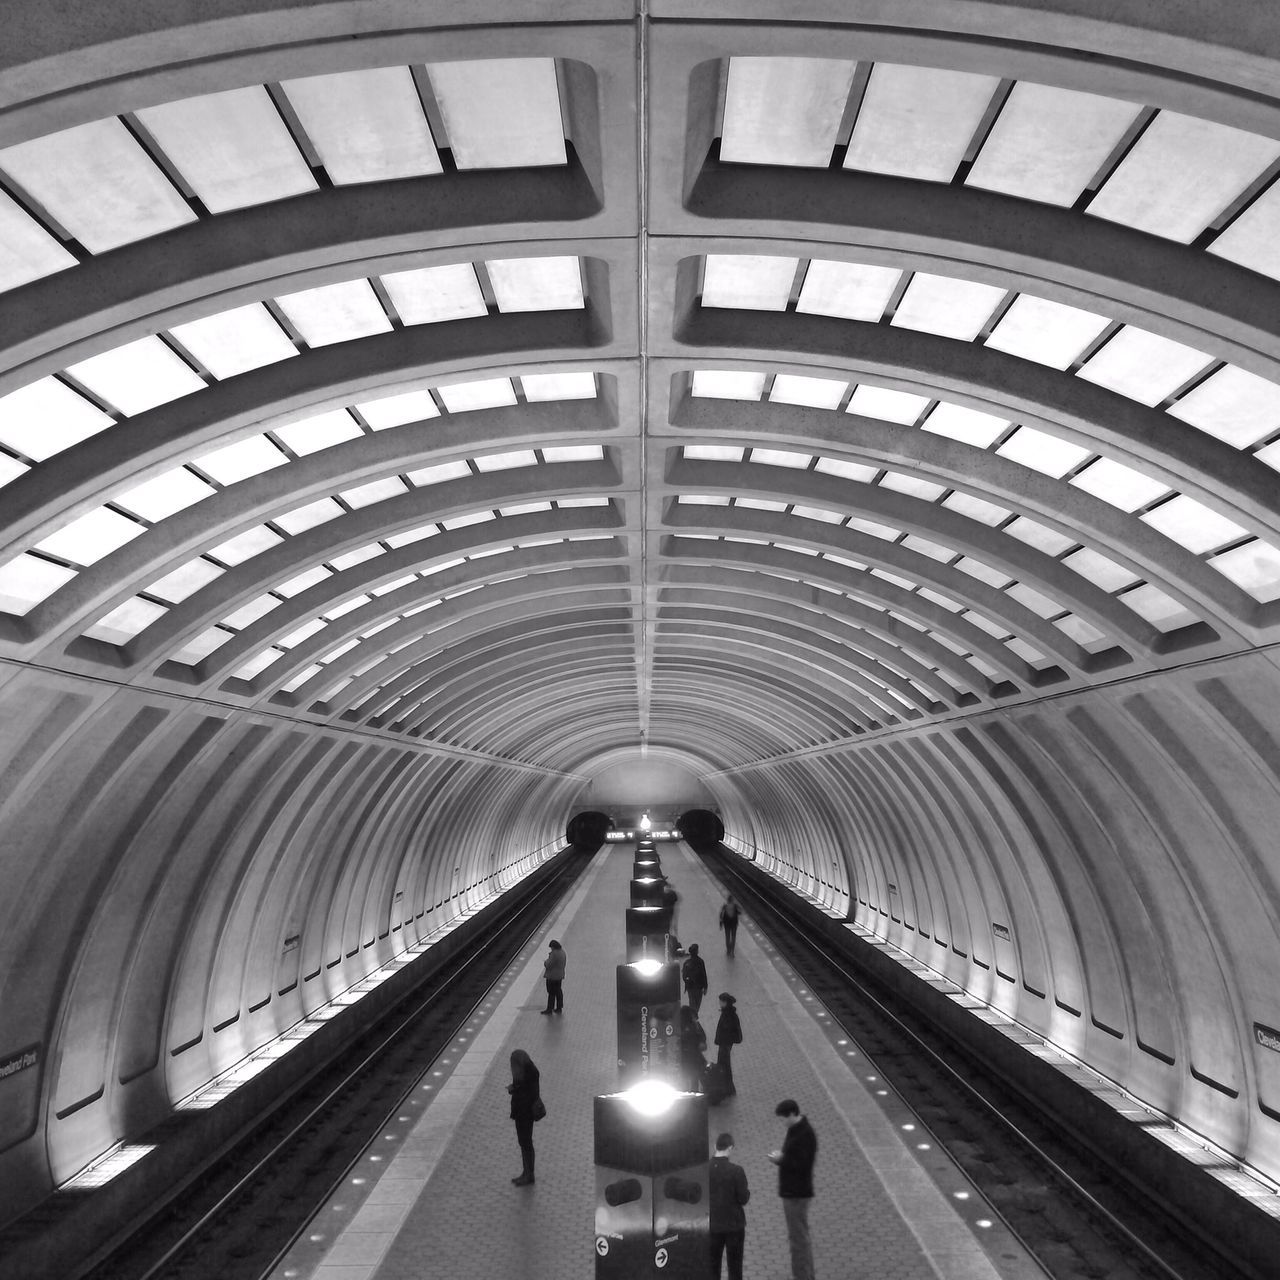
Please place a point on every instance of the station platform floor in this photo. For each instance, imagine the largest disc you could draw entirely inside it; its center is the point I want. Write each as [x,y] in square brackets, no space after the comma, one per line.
[433,1196]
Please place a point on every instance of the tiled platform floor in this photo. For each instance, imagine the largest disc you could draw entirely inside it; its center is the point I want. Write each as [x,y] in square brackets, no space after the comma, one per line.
[434,1198]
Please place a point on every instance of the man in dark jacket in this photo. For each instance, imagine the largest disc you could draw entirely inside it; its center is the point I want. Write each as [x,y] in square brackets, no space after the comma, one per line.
[694,976]
[728,1184]
[728,1033]
[795,1184]
[553,968]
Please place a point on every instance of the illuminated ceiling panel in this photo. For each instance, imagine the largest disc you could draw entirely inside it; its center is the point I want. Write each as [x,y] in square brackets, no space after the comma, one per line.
[846,470]
[185,581]
[395,411]
[1234,405]
[98,183]
[727,384]
[1047,143]
[1034,534]
[539,387]
[164,495]
[1119,485]
[491,393]
[947,306]
[309,516]
[903,407]
[236,341]
[27,581]
[367,126]
[917,122]
[1193,525]
[233,148]
[45,417]
[319,432]
[1254,567]
[816,393]
[245,546]
[1142,365]
[1161,610]
[11,469]
[971,426]
[536,284]
[27,251]
[1180,174]
[749,281]
[1253,239]
[429,295]
[91,536]
[849,290]
[500,113]
[784,111]
[1100,570]
[137,376]
[124,622]
[1047,332]
[335,312]
[241,460]
[1042,452]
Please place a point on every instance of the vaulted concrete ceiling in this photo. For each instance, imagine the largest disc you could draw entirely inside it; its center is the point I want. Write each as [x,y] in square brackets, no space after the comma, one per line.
[410,411]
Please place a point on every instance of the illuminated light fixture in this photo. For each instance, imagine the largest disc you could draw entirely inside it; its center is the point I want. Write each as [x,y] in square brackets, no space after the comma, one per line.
[106,1168]
[651,1097]
[647,967]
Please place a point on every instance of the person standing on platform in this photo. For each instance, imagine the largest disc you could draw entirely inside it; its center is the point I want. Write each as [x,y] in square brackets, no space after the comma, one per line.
[694,975]
[729,923]
[728,1033]
[693,1044]
[526,1101]
[795,1184]
[553,969]
[728,1193]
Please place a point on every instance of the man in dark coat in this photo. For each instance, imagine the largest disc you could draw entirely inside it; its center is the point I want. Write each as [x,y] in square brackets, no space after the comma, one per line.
[694,976]
[729,923]
[795,1184]
[553,968]
[728,1033]
[728,1193]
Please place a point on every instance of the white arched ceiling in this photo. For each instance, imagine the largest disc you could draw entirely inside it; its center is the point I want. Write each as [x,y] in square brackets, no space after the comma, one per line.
[875,415]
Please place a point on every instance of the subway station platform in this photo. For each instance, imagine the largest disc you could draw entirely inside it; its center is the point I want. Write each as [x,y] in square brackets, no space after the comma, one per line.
[433,1197]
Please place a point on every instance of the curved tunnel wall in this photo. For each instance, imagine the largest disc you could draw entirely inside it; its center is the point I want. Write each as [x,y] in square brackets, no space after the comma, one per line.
[185,884]
[1102,868]
[198,857]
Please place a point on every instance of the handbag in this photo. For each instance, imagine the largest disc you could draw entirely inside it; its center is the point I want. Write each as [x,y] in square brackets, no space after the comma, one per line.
[539,1108]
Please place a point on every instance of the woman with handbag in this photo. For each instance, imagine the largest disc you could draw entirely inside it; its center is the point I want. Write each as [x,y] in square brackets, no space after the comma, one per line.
[526,1107]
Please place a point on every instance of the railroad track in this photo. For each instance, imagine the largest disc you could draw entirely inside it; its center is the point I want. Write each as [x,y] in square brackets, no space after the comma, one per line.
[243,1214]
[1078,1217]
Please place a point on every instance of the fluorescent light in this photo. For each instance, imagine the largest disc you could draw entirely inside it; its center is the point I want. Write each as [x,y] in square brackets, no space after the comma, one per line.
[395,411]
[1180,174]
[1034,534]
[239,461]
[536,284]
[506,461]
[1100,570]
[917,122]
[946,306]
[500,113]
[300,519]
[366,495]
[490,393]
[201,646]
[1143,366]
[232,147]
[236,341]
[847,470]
[573,453]
[91,536]
[349,559]
[27,251]
[98,183]
[815,393]
[903,407]
[124,622]
[439,473]
[335,312]
[27,581]
[319,432]
[848,290]
[1119,485]
[367,126]
[137,376]
[751,281]
[431,295]
[1047,143]
[1047,332]
[244,546]
[46,417]
[1042,452]
[1193,525]
[249,612]
[727,384]
[912,485]
[539,387]
[165,494]
[971,426]
[975,508]
[714,452]
[782,458]
[784,111]
[1231,404]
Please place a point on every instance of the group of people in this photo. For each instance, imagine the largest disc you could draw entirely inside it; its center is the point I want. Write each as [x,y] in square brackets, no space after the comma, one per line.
[729,1192]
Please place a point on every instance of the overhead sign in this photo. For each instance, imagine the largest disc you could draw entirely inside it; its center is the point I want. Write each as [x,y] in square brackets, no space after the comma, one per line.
[1267,1037]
